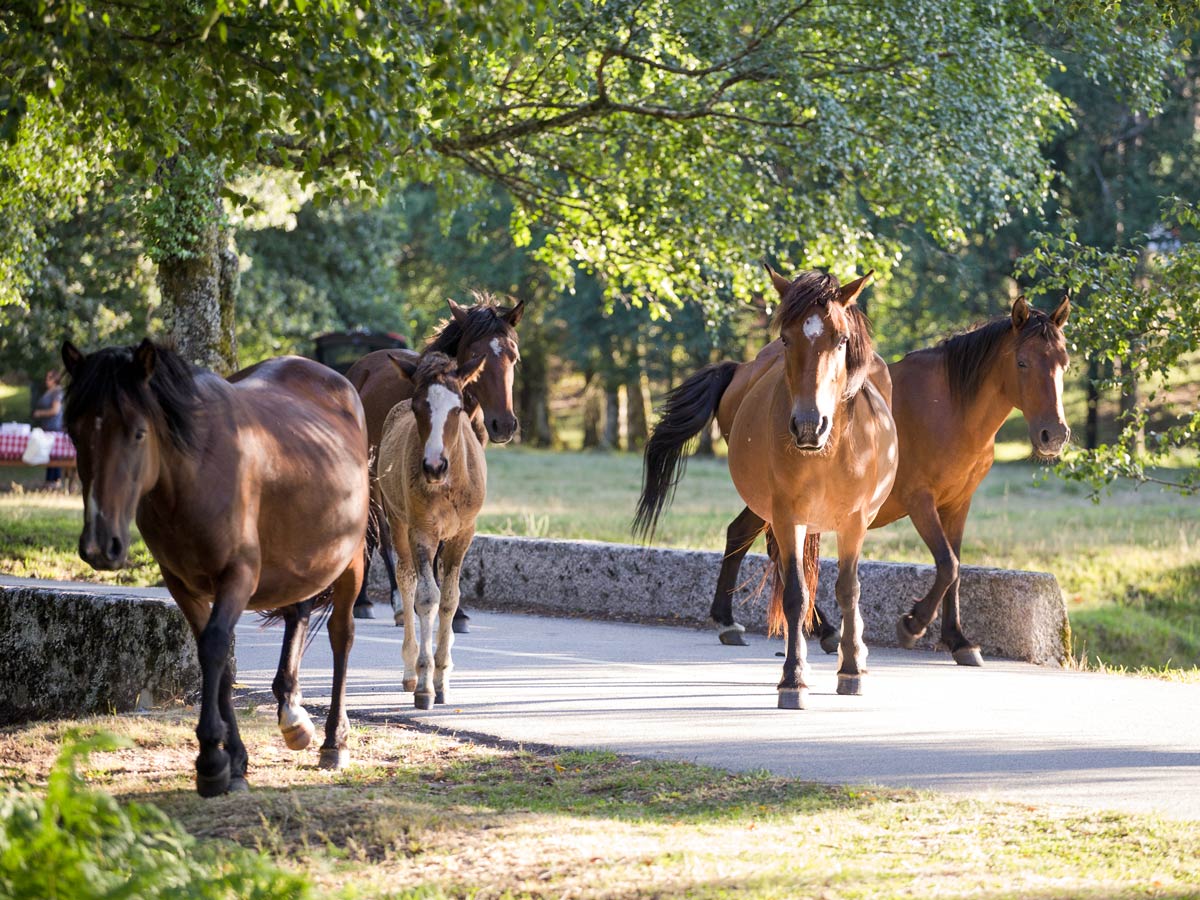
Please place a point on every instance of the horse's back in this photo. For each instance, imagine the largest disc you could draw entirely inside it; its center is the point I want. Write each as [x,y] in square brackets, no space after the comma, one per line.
[380,386]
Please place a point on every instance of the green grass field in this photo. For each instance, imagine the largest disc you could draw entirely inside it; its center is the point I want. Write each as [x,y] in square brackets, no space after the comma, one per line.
[1129,565]
[425,816]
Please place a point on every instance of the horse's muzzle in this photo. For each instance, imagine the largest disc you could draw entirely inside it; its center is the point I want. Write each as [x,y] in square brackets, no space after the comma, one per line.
[809,432]
[436,474]
[1049,441]
[501,428]
[102,551]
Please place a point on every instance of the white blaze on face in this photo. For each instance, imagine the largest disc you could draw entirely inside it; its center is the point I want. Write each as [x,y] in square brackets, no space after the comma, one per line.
[813,327]
[442,401]
[496,348]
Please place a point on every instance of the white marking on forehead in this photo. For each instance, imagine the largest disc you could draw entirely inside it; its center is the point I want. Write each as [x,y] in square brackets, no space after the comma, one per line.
[813,327]
[442,401]
[496,348]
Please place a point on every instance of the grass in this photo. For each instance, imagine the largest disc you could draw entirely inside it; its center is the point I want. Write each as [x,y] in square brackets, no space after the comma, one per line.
[423,815]
[14,403]
[1128,565]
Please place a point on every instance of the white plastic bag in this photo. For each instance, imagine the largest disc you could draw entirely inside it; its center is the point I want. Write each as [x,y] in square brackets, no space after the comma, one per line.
[37,451]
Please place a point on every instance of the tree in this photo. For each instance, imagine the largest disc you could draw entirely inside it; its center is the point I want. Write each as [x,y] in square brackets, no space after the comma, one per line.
[667,143]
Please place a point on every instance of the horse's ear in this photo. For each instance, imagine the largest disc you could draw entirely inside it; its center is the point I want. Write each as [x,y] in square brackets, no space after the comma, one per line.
[781,283]
[71,357]
[850,292]
[1020,313]
[145,357]
[458,312]
[1062,311]
[471,369]
[513,316]
[404,365]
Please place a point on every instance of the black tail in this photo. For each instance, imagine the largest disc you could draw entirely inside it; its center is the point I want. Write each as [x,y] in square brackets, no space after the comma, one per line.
[688,408]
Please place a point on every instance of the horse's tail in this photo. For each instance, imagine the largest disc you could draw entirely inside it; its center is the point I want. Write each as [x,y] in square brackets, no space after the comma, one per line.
[811,570]
[687,409]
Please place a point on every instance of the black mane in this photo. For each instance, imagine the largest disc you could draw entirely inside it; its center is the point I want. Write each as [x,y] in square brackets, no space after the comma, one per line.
[968,356]
[486,319]
[813,289]
[109,378]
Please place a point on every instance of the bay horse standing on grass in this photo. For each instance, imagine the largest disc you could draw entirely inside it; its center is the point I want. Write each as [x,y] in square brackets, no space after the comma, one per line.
[249,495]
[812,448]
[485,329]
[432,480]
[949,401]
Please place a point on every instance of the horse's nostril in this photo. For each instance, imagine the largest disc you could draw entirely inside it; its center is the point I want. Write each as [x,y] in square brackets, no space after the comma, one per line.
[1045,436]
[824,426]
[114,548]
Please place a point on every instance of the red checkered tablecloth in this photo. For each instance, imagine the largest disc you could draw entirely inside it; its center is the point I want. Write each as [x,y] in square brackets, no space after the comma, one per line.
[12,446]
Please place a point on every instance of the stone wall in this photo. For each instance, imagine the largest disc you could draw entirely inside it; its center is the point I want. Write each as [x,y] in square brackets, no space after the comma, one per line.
[1014,615]
[74,649]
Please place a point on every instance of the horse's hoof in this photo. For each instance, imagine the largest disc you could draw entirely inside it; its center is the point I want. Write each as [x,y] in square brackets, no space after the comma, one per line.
[214,785]
[830,641]
[398,618]
[423,701]
[906,638]
[364,610]
[968,656]
[333,758]
[409,685]
[731,635]
[239,785]
[439,697]
[460,625]
[299,735]
[849,684]
[793,698]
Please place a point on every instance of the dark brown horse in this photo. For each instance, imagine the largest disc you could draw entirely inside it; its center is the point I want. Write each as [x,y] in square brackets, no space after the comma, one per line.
[949,401]
[249,495]
[484,330]
[812,448]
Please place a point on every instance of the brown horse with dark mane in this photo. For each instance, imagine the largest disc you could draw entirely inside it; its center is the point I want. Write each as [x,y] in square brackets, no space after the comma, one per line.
[812,448]
[485,330]
[949,401]
[250,495]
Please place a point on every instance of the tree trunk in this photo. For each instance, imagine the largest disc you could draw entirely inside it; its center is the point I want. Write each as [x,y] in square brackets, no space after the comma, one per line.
[533,390]
[593,412]
[1092,428]
[197,270]
[637,411]
[611,438]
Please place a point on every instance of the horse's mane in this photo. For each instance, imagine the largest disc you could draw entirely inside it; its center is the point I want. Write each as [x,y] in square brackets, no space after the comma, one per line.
[813,289]
[485,319]
[105,378]
[969,355]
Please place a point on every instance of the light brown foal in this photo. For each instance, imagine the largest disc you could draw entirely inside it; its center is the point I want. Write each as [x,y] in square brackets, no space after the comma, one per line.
[812,448]
[432,480]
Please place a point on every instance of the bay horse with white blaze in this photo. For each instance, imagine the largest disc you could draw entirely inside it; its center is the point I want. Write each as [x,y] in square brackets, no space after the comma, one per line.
[812,448]
[485,329]
[249,495]
[949,401]
[432,480]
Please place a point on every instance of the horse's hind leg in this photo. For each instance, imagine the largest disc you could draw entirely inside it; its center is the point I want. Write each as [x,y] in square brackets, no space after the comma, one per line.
[363,607]
[452,554]
[852,652]
[740,534]
[334,752]
[238,758]
[793,686]
[965,651]
[294,721]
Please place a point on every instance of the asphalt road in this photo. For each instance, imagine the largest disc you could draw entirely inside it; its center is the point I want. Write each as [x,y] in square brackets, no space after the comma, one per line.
[1007,731]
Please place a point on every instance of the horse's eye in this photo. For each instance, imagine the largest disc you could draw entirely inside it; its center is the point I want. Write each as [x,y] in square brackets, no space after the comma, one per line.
[140,434]
[1021,364]
[784,339]
[844,341]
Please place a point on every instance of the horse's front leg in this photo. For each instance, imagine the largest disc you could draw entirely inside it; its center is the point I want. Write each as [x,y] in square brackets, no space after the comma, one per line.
[793,686]
[924,515]
[453,552]
[852,652]
[406,574]
[215,770]
[965,651]
[423,552]
[740,534]
[334,752]
[295,724]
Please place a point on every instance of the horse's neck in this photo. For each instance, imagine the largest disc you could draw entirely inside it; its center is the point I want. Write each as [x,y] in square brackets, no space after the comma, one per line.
[181,473]
[461,453]
[992,404]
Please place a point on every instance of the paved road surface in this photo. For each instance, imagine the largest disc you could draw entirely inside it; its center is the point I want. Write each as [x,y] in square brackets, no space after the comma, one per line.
[1009,730]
